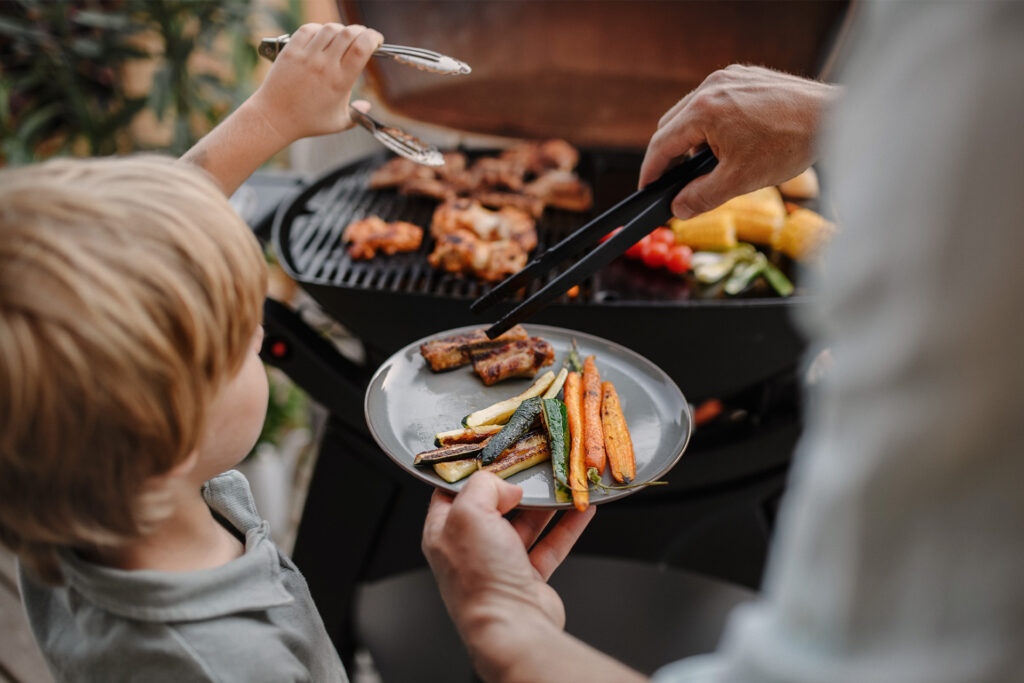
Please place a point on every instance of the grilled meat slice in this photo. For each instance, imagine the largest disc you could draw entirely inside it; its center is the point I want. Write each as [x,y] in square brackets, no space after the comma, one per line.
[398,171]
[490,172]
[453,352]
[561,189]
[435,188]
[521,358]
[367,236]
[507,223]
[454,164]
[504,258]
[462,251]
[539,157]
[499,200]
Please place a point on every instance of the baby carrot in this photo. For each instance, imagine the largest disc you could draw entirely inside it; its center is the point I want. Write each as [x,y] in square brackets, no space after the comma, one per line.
[616,436]
[593,434]
[577,466]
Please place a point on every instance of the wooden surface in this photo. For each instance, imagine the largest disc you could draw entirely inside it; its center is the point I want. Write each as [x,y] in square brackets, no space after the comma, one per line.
[20,660]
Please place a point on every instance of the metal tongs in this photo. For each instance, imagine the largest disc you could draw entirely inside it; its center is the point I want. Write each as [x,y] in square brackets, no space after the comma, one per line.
[395,139]
[638,214]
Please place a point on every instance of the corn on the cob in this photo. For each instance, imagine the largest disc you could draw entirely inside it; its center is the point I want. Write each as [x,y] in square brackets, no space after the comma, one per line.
[803,186]
[715,229]
[758,215]
[803,233]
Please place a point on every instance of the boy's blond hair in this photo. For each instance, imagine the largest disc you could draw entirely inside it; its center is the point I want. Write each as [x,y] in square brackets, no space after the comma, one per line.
[129,291]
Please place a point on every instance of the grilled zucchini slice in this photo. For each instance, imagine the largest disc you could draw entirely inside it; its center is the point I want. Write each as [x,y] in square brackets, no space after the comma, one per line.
[499,413]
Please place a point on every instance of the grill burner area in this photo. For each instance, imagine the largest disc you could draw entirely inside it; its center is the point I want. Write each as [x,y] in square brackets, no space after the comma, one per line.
[318,256]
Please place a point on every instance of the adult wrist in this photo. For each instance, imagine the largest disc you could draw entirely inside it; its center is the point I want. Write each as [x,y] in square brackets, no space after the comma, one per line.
[499,641]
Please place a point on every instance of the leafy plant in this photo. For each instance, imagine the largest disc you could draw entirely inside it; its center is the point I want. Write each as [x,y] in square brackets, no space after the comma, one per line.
[199,99]
[62,61]
[59,85]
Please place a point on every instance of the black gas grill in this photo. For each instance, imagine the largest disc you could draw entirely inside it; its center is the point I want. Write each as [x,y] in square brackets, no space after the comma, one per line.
[711,347]
[548,69]
[363,515]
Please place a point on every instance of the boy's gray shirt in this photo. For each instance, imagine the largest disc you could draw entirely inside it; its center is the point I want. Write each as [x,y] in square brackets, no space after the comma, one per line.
[251,619]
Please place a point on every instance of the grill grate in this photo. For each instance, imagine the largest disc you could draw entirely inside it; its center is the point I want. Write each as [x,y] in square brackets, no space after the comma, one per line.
[315,253]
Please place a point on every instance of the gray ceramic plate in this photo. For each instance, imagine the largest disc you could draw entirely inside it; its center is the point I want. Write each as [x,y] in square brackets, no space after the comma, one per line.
[407,404]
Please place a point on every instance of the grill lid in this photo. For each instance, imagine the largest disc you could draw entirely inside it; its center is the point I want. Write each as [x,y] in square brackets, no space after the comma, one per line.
[594,72]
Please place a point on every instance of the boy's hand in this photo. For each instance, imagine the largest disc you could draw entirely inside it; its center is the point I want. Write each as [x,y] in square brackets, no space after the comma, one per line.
[307,90]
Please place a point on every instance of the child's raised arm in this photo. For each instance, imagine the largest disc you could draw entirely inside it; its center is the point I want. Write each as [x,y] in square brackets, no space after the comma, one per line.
[306,92]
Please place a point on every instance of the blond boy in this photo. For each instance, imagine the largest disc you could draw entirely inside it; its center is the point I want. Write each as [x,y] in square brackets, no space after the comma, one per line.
[130,384]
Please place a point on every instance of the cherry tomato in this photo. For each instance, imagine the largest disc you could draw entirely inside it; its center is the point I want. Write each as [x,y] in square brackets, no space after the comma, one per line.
[609,235]
[637,250]
[678,260]
[654,254]
[663,235]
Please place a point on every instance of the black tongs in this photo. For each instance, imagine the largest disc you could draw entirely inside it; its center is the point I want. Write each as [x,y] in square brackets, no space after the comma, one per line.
[639,214]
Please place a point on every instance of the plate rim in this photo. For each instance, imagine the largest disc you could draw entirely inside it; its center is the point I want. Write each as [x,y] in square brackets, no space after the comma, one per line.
[453,489]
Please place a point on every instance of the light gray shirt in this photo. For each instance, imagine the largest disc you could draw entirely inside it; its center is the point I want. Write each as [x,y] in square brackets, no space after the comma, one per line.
[250,620]
[899,555]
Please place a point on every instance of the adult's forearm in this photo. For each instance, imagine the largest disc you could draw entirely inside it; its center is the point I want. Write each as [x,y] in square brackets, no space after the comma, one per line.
[237,147]
[535,651]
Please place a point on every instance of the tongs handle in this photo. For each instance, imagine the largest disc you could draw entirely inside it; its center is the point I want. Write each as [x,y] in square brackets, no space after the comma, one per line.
[426,60]
[397,140]
[648,208]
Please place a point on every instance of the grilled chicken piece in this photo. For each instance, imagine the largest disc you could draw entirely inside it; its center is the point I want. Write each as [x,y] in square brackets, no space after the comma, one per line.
[489,172]
[522,358]
[462,251]
[398,171]
[367,236]
[499,200]
[539,157]
[453,352]
[435,188]
[561,189]
[454,163]
[504,258]
[507,223]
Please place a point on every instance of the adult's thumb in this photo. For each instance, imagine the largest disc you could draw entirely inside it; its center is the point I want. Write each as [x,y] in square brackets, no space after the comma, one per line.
[700,195]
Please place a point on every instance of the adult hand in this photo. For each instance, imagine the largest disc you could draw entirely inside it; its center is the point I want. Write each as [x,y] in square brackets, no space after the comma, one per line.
[493,572]
[307,90]
[760,124]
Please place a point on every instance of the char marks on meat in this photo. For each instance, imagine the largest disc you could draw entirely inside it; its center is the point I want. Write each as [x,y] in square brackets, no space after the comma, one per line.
[515,187]
[521,358]
[507,223]
[562,190]
[371,234]
[397,172]
[463,252]
[472,240]
[453,352]
[435,188]
[499,200]
[545,155]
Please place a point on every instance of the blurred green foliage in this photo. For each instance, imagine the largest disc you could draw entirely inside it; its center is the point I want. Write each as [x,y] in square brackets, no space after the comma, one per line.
[61,66]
